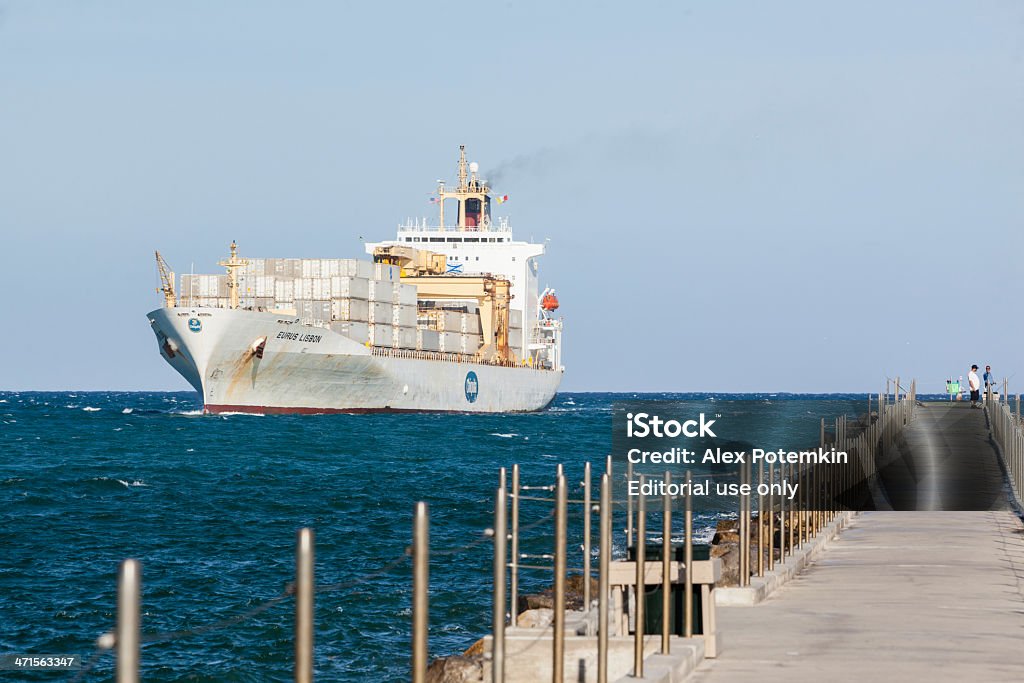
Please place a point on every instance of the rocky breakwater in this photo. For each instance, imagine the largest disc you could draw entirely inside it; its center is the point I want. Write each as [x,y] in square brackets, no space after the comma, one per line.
[534,611]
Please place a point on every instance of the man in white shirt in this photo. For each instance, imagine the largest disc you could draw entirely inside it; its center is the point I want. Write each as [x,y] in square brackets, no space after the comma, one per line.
[975,384]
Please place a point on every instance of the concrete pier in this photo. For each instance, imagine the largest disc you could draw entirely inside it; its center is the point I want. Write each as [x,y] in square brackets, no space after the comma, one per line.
[899,596]
[902,595]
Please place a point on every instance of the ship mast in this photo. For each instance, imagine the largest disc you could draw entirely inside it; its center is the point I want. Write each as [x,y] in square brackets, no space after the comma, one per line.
[233,264]
[472,194]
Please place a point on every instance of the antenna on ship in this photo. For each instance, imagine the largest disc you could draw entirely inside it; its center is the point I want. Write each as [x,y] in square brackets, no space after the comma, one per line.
[472,194]
[233,264]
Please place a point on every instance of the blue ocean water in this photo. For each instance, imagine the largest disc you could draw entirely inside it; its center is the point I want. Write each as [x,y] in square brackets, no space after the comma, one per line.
[210,506]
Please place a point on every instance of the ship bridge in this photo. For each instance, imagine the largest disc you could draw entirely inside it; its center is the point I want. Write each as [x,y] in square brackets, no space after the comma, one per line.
[475,242]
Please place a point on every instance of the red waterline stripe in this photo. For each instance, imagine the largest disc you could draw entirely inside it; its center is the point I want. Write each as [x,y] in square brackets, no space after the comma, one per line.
[284,410]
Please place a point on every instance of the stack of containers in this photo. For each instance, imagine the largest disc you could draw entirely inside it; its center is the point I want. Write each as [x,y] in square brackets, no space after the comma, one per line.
[515,331]
[363,300]
[471,333]
[204,291]
[380,313]
[403,316]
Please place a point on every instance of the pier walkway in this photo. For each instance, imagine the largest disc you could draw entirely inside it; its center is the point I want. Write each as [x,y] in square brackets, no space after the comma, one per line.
[901,595]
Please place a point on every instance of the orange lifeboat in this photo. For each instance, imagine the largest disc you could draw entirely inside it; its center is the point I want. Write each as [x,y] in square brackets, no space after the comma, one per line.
[549,302]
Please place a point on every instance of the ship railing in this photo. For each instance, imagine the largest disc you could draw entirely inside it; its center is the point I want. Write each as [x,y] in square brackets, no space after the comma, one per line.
[407,227]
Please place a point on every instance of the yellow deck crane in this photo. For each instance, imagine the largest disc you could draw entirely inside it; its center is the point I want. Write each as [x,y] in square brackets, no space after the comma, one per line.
[426,270]
[166,281]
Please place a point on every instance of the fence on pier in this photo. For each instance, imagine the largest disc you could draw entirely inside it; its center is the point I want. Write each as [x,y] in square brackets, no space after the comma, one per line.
[1008,431]
[781,530]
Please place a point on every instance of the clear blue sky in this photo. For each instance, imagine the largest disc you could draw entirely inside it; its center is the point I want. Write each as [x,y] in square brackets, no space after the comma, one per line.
[786,196]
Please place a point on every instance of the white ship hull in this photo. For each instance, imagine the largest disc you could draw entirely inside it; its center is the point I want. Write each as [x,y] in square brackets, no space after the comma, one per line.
[306,369]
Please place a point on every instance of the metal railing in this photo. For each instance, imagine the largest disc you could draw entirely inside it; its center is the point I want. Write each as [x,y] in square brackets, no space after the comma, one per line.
[1008,433]
[779,526]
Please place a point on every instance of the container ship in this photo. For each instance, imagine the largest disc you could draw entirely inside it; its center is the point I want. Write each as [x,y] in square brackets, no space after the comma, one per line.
[443,318]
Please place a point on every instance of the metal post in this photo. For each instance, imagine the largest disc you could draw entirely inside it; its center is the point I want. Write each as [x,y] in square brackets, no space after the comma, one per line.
[629,506]
[771,518]
[587,512]
[641,580]
[514,579]
[129,621]
[743,527]
[558,647]
[782,516]
[420,586]
[498,616]
[688,560]
[760,519]
[304,588]
[502,478]
[603,578]
[666,567]
[792,513]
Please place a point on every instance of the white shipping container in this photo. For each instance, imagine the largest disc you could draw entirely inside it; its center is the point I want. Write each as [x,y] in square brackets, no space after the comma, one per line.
[356,331]
[288,267]
[304,288]
[470,343]
[313,310]
[404,294]
[264,286]
[515,318]
[380,313]
[310,267]
[450,342]
[449,321]
[385,271]
[350,267]
[404,316]
[285,307]
[284,290]
[515,339]
[381,290]
[350,309]
[404,337]
[322,288]
[470,323]
[257,266]
[204,285]
[380,335]
[350,287]
[428,340]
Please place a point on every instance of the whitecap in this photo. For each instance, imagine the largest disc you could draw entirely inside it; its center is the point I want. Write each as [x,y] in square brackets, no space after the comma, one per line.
[90,409]
[190,450]
[187,412]
[136,482]
[504,436]
[127,411]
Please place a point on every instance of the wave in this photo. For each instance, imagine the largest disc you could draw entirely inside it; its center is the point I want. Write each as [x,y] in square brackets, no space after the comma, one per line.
[135,483]
[90,409]
[127,411]
[504,436]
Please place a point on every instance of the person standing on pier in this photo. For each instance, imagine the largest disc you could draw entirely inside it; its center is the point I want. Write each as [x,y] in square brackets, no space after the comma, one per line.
[975,385]
[989,379]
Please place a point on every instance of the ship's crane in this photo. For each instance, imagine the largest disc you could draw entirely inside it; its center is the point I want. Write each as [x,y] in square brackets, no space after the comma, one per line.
[427,270]
[166,281]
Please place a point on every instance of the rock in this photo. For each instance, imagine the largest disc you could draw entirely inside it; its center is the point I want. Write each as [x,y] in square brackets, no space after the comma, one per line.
[475,649]
[535,618]
[457,669]
[545,599]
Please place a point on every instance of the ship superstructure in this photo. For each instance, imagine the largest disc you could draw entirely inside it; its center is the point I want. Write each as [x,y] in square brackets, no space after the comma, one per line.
[445,317]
